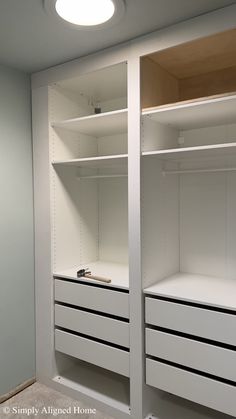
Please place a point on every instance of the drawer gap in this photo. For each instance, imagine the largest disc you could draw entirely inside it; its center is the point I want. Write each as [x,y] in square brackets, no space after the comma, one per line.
[192,337]
[88,310]
[192,370]
[89,284]
[192,304]
[93,339]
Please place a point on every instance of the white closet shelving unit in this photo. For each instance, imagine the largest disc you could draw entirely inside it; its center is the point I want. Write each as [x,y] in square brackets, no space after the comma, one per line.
[89,202]
[135,179]
[189,272]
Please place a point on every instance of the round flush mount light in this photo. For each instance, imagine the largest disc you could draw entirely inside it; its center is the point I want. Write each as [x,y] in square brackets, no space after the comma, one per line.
[86,14]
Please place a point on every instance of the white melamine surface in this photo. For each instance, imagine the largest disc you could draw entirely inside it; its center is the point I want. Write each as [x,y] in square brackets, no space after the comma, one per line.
[96,162]
[180,153]
[200,356]
[80,294]
[102,85]
[217,292]
[208,392]
[100,125]
[195,114]
[192,320]
[118,273]
[97,383]
[92,325]
[104,356]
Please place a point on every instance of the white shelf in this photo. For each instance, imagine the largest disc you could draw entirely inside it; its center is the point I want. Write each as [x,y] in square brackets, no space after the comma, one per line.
[197,113]
[118,273]
[100,125]
[200,289]
[97,384]
[181,153]
[119,160]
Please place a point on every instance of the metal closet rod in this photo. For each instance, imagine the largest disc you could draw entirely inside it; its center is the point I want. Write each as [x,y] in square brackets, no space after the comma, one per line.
[177,172]
[101,176]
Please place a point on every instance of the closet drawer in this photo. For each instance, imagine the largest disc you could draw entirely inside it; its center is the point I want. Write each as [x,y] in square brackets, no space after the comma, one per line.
[111,330]
[104,356]
[195,321]
[94,298]
[200,356]
[194,387]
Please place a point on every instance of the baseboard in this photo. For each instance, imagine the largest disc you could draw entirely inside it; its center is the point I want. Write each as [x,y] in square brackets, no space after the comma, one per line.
[17,389]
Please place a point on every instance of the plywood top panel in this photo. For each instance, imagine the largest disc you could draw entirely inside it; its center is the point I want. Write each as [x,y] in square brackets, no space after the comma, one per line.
[198,57]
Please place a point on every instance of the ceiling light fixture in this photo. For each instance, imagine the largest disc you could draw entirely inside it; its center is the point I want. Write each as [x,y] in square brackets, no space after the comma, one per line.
[90,14]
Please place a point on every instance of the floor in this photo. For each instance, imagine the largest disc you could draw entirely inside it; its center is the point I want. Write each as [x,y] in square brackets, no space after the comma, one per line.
[39,401]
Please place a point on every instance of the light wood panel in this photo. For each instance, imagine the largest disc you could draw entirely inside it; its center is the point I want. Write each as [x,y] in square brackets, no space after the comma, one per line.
[213,83]
[158,86]
[196,69]
[201,56]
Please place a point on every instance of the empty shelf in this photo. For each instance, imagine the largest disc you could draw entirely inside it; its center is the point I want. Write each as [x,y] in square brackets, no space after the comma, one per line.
[97,384]
[118,273]
[200,289]
[99,125]
[119,160]
[199,113]
[181,153]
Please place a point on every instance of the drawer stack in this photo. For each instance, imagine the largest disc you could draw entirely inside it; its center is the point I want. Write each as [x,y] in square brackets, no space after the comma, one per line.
[92,324]
[191,352]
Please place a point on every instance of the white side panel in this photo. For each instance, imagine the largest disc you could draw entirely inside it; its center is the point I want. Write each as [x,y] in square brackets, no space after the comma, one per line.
[203,224]
[112,144]
[65,104]
[68,145]
[209,135]
[157,136]
[75,215]
[113,220]
[94,325]
[231,227]
[134,201]
[43,271]
[104,356]
[160,223]
[202,390]
[202,357]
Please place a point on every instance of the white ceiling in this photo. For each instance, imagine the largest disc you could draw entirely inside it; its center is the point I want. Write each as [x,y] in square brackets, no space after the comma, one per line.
[31,40]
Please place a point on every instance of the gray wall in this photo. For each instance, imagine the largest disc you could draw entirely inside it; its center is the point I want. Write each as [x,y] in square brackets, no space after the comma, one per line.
[17,334]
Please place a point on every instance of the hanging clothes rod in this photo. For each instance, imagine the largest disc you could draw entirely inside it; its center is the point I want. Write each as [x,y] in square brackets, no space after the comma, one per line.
[180,172]
[101,176]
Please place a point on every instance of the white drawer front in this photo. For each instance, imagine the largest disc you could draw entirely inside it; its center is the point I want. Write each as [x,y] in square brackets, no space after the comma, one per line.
[104,356]
[194,387]
[94,298]
[195,321]
[93,325]
[190,353]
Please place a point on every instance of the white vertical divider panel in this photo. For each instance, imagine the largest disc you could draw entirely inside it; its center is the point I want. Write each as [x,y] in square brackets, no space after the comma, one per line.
[43,280]
[136,298]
